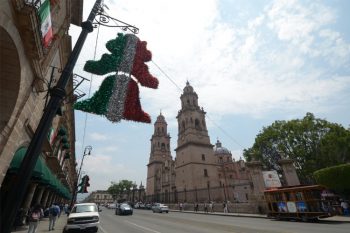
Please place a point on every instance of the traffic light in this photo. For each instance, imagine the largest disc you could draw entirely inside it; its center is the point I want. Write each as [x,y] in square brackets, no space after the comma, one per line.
[84,184]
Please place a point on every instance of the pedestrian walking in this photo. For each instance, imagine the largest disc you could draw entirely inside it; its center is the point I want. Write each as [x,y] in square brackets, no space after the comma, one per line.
[195,207]
[205,207]
[345,207]
[53,213]
[35,213]
[181,206]
[211,207]
[225,207]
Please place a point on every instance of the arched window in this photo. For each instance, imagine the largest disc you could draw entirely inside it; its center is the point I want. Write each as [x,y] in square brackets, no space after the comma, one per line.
[203,157]
[197,124]
[163,146]
[162,130]
[183,125]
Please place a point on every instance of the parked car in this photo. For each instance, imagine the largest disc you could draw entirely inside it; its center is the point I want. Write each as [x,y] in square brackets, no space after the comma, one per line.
[160,208]
[123,209]
[111,206]
[148,206]
[139,205]
[83,217]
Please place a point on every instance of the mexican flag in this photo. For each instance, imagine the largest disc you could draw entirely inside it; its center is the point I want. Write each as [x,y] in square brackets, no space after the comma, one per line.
[45,20]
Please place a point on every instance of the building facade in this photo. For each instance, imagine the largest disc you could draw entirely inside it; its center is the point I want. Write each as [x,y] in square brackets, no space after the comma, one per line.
[34,49]
[200,172]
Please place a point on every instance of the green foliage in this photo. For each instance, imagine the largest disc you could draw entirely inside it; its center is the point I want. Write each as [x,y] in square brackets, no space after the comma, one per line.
[335,178]
[312,143]
[117,189]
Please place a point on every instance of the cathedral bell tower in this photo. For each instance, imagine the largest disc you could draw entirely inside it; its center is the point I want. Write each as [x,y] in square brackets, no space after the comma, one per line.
[160,156]
[195,161]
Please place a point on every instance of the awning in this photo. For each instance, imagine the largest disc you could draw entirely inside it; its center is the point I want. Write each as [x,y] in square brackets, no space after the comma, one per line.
[39,169]
[41,172]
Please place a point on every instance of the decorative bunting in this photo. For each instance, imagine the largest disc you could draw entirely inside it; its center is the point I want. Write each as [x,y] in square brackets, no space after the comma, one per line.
[118,95]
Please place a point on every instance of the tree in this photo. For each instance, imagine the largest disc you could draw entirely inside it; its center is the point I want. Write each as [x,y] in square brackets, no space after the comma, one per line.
[334,178]
[312,143]
[122,187]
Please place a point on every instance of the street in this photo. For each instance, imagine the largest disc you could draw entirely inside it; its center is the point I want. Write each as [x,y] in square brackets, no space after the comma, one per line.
[174,222]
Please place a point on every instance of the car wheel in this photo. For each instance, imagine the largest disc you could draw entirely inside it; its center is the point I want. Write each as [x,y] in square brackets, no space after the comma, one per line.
[167,212]
[153,211]
[161,212]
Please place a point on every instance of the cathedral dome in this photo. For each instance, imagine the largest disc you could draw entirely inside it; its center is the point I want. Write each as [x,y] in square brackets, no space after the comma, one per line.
[160,118]
[220,150]
[188,88]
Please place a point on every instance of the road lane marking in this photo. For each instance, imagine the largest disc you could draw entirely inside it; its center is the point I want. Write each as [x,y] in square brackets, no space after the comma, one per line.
[145,228]
[103,230]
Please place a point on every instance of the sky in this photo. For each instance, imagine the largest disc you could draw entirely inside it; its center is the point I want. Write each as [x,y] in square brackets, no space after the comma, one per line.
[250,62]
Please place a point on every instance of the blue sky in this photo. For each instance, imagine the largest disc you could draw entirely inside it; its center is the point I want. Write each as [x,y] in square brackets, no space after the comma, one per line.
[250,62]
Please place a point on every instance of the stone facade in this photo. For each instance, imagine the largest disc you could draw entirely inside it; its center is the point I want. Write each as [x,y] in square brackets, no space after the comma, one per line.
[25,71]
[201,172]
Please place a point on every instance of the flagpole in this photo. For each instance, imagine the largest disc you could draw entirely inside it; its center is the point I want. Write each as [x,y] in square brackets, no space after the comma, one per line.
[19,186]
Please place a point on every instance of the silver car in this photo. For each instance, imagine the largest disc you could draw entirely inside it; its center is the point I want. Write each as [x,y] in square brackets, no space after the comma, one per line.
[160,208]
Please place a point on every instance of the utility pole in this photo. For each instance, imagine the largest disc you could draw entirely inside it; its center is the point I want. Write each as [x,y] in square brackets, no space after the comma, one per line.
[19,186]
[87,151]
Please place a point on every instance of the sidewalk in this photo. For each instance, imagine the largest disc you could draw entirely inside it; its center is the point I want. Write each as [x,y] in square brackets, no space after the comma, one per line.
[44,226]
[336,218]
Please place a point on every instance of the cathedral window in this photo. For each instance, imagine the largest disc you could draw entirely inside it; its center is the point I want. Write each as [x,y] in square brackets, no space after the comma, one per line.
[162,130]
[163,146]
[203,157]
[205,172]
[197,124]
[158,144]
[183,125]
[168,146]
[188,101]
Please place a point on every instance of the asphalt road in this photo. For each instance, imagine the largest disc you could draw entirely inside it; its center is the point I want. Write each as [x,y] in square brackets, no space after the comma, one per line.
[175,222]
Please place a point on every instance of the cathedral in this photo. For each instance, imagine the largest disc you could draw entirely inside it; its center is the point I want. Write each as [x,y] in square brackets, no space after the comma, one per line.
[200,172]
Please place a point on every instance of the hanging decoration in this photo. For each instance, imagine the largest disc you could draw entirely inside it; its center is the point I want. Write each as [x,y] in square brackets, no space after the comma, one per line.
[118,96]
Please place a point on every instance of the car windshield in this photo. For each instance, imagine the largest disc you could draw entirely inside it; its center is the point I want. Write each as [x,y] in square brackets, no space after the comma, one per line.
[124,205]
[84,208]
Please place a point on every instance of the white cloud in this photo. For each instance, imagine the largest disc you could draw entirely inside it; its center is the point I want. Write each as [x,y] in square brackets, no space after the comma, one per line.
[97,136]
[102,170]
[286,58]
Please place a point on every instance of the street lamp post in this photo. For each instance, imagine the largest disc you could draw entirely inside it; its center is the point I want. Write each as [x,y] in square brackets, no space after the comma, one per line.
[87,151]
[19,187]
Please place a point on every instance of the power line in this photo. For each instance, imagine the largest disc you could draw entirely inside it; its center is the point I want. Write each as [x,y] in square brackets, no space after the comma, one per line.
[214,123]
